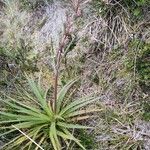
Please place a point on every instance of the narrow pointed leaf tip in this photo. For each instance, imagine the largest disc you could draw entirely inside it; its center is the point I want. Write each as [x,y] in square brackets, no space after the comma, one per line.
[62,93]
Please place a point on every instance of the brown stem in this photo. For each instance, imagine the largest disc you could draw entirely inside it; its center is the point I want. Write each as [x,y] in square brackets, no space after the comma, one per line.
[62,44]
[56,82]
[58,59]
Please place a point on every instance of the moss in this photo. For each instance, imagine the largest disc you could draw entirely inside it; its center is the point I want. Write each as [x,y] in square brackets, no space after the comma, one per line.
[146,109]
[138,60]
[87,140]
[143,66]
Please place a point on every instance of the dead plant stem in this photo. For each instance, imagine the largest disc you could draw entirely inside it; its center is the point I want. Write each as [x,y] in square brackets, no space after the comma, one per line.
[63,43]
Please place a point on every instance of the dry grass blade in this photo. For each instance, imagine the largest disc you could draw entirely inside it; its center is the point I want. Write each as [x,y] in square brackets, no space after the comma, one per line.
[82,118]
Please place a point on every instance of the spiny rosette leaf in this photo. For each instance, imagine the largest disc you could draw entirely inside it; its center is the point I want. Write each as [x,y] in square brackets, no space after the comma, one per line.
[33,121]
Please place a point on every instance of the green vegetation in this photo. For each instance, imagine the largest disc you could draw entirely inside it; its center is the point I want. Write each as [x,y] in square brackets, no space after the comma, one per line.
[135,7]
[140,64]
[33,4]
[80,81]
[143,65]
[87,140]
[15,43]
[41,121]
[146,113]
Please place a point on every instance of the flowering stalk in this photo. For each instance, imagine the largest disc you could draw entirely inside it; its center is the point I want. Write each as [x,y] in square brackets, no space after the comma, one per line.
[64,41]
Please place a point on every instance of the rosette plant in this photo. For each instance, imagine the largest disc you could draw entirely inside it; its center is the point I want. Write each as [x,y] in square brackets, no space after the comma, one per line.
[36,120]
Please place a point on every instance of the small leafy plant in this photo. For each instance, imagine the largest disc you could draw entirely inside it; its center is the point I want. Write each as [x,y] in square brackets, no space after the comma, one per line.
[36,120]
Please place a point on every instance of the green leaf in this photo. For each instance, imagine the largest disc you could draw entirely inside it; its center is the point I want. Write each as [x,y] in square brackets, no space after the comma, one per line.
[137,12]
[12,116]
[76,104]
[39,96]
[53,127]
[25,125]
[21,104]
[75,108]
[8,121]
[39,118]
[63,92]
[28,112]
[53,137]
[69,136]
